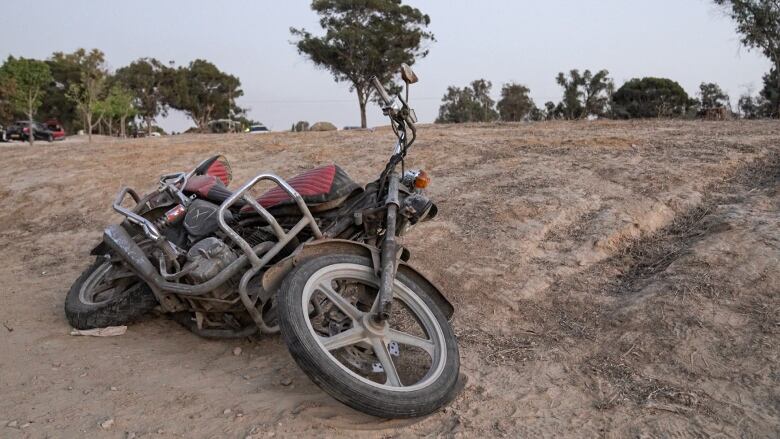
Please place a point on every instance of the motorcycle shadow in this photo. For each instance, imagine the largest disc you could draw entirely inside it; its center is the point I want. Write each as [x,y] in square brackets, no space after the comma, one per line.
[272,384]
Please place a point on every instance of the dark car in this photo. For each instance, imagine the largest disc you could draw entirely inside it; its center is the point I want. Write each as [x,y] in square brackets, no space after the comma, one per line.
[20,130]
[257,129]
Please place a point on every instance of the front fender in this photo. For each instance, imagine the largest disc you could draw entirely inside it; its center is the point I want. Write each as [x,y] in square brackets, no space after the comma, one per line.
[273,277]
[100,249]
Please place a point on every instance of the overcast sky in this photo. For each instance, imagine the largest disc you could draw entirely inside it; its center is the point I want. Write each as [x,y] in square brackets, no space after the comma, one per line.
[529,42]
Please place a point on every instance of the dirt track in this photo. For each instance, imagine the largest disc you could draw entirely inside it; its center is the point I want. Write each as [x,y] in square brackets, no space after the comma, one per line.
[610,279]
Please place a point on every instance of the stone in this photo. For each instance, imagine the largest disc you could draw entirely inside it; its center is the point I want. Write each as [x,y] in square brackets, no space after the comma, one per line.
[323,126]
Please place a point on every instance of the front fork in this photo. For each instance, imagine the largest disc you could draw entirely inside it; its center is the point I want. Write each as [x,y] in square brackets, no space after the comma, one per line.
[389,252]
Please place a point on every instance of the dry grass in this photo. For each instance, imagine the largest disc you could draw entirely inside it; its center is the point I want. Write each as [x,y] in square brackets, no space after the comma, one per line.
[610,279]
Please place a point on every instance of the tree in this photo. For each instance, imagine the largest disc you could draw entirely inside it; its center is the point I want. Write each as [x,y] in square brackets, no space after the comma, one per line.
[552,111]
[364,39]
[585,94]
[711,96]
[300,126]
[597,92]
[753,107]
[758,21]
[650,97]
[29,78]
[469,104]
[203,92]
[7,92]
[515,104]
[87,92]
[571,104]
[118,106]
[65,70]
[770,94]
[149,80]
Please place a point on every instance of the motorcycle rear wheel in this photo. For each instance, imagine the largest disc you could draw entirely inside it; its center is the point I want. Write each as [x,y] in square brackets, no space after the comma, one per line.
[354,361]
[96,300]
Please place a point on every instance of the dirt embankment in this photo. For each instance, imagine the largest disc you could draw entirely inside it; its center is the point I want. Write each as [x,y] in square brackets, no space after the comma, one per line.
[610,278]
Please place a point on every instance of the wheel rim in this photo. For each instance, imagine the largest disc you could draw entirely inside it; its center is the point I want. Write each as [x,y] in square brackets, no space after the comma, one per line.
[103,284]
[363,335]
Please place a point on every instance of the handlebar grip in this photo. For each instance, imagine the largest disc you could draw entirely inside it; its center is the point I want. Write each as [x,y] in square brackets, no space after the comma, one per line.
[381,90]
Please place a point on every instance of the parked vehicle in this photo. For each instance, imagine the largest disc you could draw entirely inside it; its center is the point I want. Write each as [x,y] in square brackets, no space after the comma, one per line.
[258,129]
[315,258]
[56,129]
[20,130]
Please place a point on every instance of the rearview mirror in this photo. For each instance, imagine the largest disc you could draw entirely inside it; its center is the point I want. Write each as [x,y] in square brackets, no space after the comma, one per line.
[408,74]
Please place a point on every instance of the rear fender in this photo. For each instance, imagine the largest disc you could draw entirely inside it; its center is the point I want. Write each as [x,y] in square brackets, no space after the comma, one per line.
[273,277]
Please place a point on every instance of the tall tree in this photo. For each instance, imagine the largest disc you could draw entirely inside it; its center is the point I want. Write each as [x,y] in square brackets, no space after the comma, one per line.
[65,70]
[149,80]
[515,104]
[571,104]
[597,92]
[770,94]
[468,104]
[29,78]
[650,97]
[585,94]
[758,22]
[363,39]
[87,92]
[204,92]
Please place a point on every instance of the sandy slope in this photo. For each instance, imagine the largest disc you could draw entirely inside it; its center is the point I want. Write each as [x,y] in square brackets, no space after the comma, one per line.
[611,278]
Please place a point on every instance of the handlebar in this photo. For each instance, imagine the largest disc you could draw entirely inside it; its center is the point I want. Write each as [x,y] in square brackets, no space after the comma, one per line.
[391,107]
[381,90]
[148,227]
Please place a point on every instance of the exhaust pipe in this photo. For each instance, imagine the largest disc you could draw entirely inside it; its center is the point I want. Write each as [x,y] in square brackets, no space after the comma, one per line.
[121,243]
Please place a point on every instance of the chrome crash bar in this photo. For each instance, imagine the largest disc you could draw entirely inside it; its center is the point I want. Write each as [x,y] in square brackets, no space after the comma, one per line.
[307,219]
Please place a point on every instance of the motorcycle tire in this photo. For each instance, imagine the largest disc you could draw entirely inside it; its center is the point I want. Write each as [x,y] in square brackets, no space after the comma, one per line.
[388,399]
[128,301]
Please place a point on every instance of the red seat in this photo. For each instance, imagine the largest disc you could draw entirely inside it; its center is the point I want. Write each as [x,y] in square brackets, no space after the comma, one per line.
[316,186]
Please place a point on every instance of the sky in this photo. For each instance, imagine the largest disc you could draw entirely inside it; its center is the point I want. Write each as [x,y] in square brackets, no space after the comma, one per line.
[529,42]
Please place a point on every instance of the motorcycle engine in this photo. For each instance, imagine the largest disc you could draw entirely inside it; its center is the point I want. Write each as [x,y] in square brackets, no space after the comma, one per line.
[207,258]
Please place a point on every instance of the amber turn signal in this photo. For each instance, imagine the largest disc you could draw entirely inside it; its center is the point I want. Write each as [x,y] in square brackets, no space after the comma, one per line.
[422,180]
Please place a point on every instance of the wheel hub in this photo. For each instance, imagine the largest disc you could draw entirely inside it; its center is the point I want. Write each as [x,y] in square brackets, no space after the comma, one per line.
[372,327]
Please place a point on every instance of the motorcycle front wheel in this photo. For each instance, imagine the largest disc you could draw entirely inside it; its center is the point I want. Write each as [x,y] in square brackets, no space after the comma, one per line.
[405,367]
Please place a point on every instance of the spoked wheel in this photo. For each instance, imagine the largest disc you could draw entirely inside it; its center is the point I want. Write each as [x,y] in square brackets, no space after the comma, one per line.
[107,294]
[405,367]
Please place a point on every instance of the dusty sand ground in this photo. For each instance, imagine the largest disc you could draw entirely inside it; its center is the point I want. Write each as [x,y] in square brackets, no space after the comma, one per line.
[611,279]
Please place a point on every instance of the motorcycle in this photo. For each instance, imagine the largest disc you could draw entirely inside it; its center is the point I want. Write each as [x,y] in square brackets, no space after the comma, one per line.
[316,258]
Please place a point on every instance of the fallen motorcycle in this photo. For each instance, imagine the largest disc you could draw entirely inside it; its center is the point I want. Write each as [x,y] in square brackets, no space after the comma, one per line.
[315,258]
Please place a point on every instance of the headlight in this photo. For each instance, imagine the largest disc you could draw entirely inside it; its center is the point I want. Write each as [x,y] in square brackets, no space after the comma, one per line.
[417,207]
